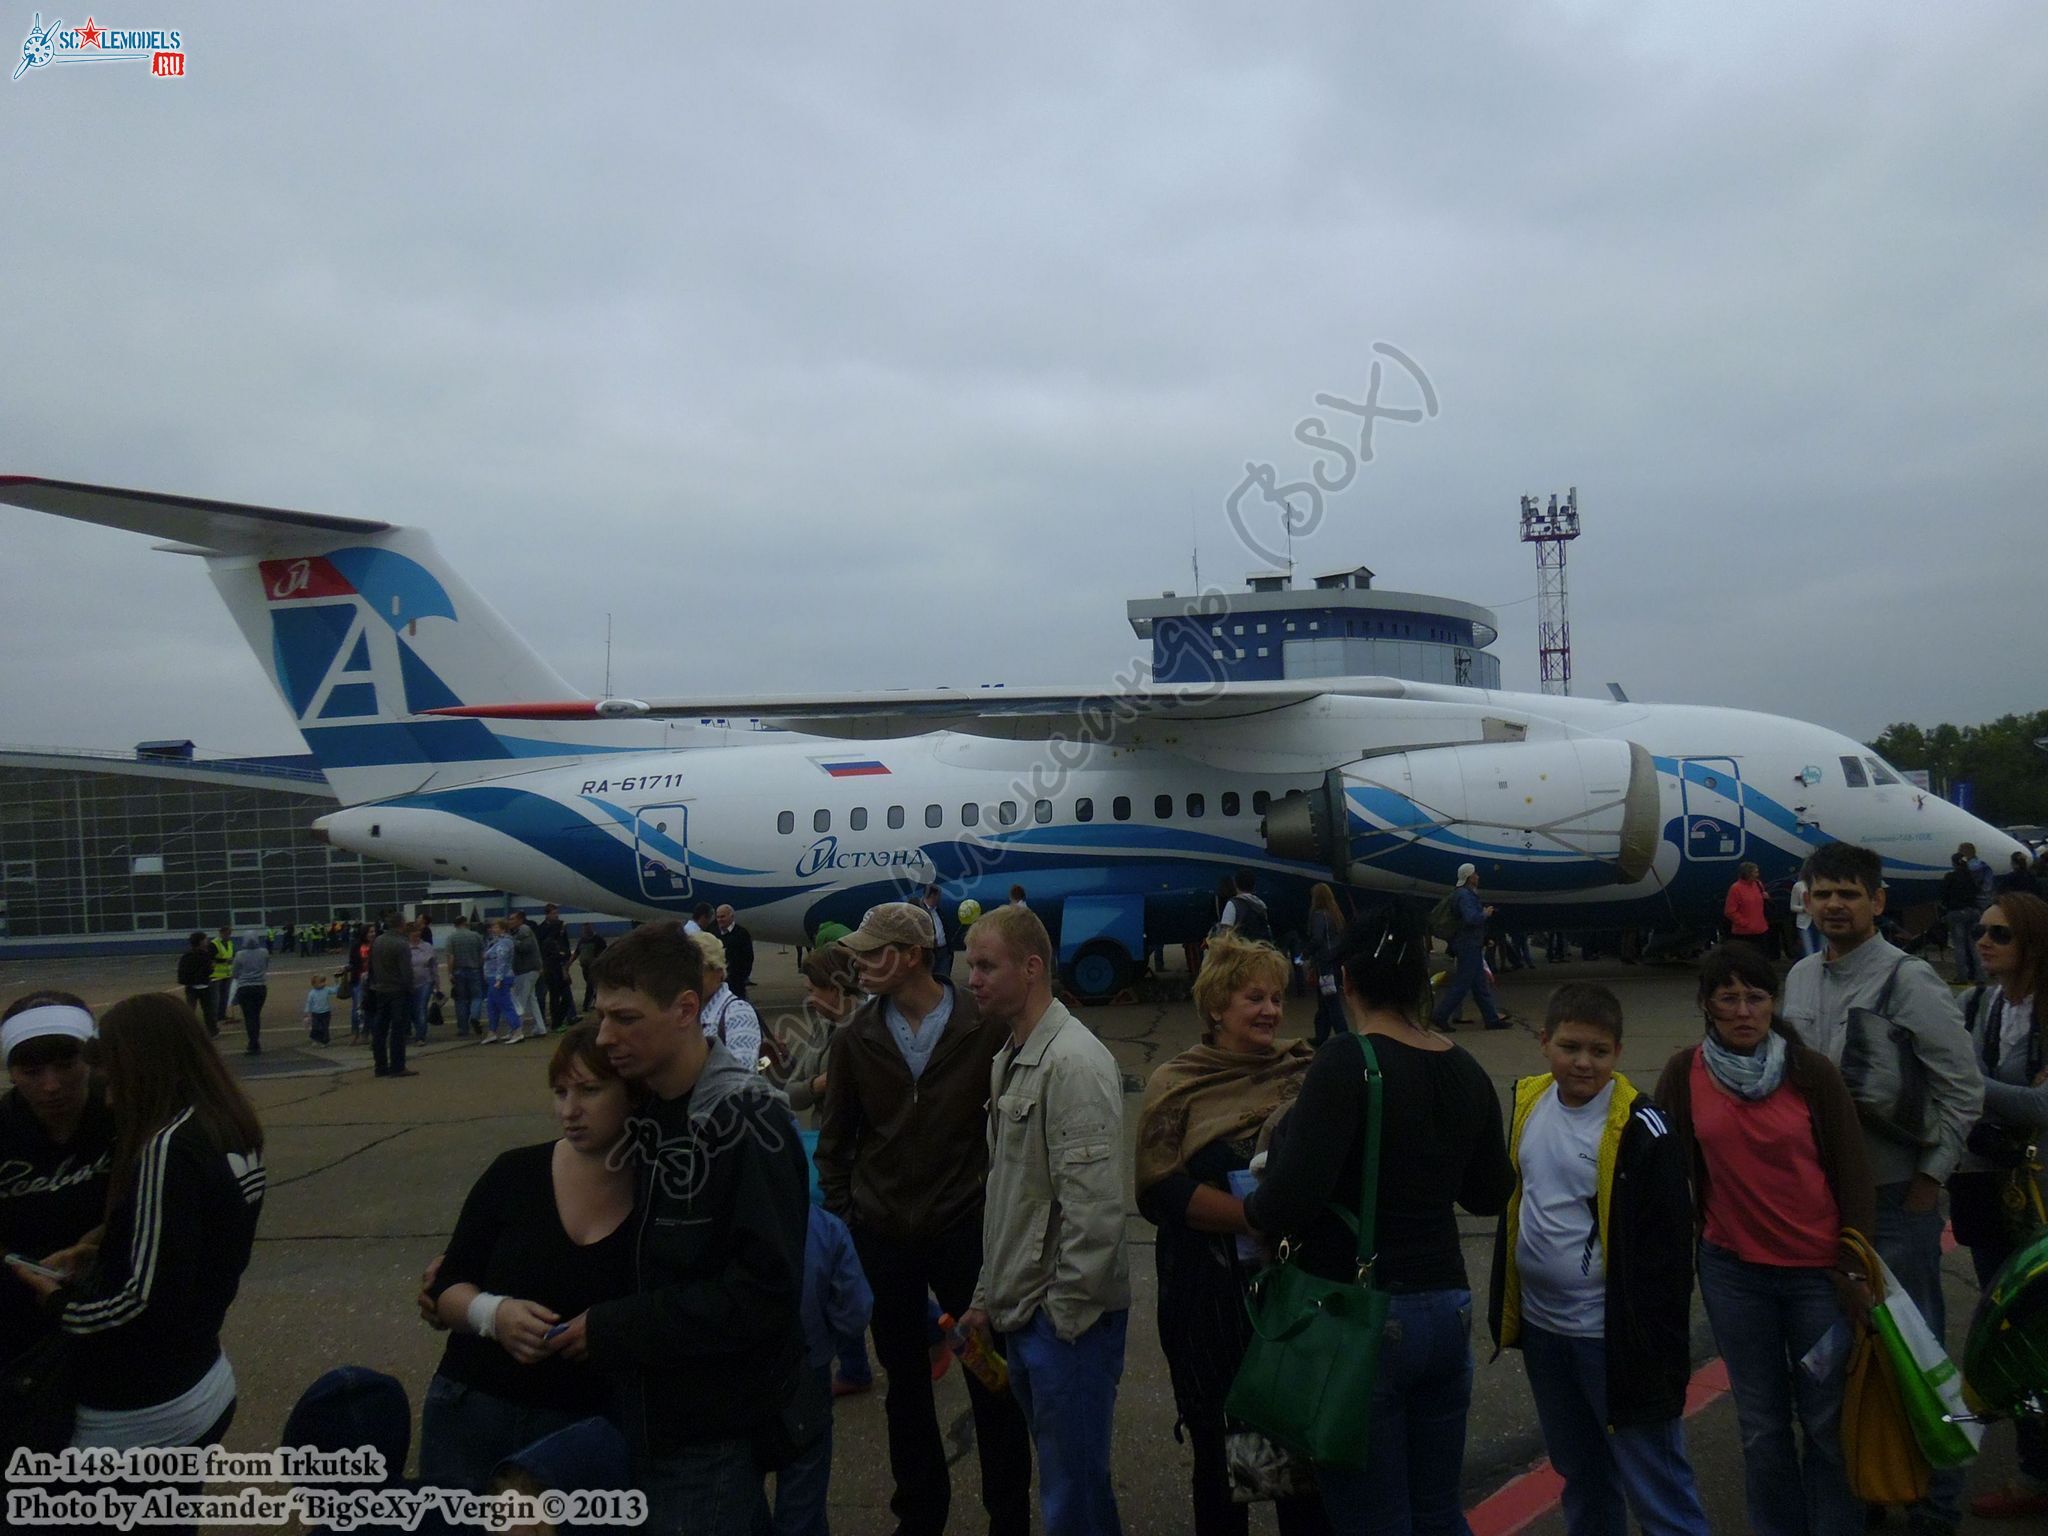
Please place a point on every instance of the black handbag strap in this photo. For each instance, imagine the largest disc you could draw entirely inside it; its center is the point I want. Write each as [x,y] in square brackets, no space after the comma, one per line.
[1369,1182]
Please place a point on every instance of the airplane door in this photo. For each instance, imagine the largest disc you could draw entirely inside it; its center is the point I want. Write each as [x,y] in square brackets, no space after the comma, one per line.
[1714,832]
[661,845]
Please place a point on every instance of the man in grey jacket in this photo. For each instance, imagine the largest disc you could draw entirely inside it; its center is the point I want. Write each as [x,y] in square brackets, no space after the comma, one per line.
[1055,1283]
[1859,969]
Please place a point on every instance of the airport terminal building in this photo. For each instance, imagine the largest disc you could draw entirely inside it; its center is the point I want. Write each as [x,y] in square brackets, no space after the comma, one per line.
[102,850]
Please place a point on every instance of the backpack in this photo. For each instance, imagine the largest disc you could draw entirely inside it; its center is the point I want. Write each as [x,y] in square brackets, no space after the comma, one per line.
[1884,1074]
[1253,921]
[1444,921]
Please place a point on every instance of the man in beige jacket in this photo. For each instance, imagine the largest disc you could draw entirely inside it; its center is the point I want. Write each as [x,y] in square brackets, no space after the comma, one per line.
[1055,1284]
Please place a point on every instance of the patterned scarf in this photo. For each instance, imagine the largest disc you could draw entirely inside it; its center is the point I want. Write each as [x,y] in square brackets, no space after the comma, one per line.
[1755,1076]
[1205,1094]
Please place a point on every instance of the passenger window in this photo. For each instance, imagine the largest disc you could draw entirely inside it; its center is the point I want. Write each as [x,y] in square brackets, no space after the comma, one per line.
[1195,806]
[1084,809]
[1260,800]
[1006,813]
[934,816]
[895,817]
[1121,808]
[1879,774]
[785,821]
[1853,775]
[857,818]
[1041,811]
[970,815]
[1162,807]
[821,821]
[1230,802]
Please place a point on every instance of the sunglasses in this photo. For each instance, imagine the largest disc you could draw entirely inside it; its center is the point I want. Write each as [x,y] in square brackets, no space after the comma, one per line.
[1997,933]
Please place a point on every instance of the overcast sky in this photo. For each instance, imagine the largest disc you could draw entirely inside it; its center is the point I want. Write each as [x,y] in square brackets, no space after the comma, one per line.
[846,347]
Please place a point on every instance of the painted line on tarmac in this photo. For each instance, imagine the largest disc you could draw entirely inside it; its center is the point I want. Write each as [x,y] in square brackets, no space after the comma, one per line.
[1524,1500]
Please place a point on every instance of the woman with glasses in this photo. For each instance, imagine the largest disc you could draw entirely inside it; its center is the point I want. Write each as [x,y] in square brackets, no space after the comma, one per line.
[2011,1035]
[1779,1170]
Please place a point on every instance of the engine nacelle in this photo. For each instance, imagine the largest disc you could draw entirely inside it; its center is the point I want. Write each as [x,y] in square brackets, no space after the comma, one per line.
[1534,816]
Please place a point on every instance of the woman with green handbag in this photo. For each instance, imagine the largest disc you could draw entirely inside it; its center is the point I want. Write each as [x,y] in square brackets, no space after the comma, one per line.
[1424,1118]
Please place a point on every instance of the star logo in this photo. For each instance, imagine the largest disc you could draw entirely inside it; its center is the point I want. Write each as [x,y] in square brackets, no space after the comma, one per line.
[89,34]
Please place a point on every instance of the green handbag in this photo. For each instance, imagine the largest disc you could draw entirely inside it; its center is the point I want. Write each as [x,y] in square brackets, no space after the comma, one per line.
[1309,1371]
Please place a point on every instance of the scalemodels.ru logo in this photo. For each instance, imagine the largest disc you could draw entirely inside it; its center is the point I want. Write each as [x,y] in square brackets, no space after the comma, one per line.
[164,51]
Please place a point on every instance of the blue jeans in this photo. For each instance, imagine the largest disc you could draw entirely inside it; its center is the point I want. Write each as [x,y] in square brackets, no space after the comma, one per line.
[1765,1318]
[1068,1394]
[1645,1462]
[1470,978]
[855,1369]
[1416,1457]
[466,987]
[466,1432]
[801,1486]
[712,1489]
[420,993]
[1969,965]
[1910,1243]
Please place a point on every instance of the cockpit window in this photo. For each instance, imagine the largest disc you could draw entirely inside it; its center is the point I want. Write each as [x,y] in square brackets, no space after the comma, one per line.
[1853,774]
[1879,774]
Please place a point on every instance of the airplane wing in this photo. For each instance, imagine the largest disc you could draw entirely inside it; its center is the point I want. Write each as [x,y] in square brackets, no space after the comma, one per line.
[1009,713]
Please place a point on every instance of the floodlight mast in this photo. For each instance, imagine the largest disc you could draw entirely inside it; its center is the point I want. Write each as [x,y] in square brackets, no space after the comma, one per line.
[1551,529]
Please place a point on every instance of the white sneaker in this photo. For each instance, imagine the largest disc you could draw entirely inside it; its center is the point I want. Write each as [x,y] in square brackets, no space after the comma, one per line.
[514,1039]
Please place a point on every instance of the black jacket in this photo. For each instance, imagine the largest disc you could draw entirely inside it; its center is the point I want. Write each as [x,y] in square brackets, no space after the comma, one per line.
[145,1325]
[739,957]
[1648,1252]
[708,1346]
[195,968]
[50,1197]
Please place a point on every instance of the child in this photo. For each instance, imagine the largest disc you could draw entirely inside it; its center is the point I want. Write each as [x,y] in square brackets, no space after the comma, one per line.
[1592,1277]
[836,1303]
[319,1009]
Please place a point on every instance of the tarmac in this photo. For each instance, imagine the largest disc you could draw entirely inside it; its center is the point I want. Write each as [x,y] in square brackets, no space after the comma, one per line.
[367,1176]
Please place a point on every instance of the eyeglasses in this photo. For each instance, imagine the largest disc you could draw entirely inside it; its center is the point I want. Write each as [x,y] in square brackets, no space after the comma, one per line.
[1997,933]
[1740,1002]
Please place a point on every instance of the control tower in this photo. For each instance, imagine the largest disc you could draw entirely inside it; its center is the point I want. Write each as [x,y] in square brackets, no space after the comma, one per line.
[1338,627]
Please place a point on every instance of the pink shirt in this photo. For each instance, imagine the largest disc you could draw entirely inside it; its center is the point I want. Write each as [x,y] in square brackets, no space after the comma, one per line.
[1768,1200]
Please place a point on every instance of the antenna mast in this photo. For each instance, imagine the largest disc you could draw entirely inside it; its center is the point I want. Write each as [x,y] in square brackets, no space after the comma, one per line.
[1551,530]
[607,655]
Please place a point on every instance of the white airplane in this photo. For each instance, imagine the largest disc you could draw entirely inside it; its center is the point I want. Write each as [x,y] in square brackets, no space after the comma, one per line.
[456,750]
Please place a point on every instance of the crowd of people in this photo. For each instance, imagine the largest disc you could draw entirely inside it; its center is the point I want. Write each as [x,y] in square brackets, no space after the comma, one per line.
[673,1289]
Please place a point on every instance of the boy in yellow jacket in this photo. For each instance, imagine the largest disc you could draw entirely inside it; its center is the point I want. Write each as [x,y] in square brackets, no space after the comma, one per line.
[1592,1277]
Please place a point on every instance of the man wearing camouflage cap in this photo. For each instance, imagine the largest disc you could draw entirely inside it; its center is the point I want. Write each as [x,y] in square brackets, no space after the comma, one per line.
[902,1158]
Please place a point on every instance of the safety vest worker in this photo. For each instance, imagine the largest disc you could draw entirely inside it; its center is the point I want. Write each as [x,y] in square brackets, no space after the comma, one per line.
[223,956]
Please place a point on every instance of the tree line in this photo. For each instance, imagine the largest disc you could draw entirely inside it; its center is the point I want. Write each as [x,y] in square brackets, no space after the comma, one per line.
[2010,773]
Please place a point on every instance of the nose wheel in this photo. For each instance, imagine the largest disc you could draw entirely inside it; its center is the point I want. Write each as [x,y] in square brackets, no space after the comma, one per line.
[1100,971]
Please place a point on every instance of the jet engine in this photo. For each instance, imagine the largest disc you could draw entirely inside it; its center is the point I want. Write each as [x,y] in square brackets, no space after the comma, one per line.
[1534,816]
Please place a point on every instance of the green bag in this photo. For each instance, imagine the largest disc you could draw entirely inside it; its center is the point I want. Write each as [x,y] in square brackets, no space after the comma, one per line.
[1444,921]
[1308,1374]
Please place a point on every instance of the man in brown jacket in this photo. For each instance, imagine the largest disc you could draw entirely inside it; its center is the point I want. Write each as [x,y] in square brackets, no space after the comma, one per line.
[902,1159]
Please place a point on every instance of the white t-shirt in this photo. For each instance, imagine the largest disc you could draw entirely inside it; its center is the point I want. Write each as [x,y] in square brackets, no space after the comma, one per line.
[2013,1029]
[1799,912]
[1564,1273]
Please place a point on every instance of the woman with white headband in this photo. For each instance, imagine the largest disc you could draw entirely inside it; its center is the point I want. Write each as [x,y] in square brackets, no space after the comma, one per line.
[143,1323]
[56,1145]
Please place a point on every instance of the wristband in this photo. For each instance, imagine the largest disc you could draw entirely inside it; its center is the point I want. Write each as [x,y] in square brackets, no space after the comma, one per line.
[483,1314]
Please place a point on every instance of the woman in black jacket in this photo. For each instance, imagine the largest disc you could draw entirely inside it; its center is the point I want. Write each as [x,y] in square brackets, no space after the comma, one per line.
[187,1183]
[1441,1147]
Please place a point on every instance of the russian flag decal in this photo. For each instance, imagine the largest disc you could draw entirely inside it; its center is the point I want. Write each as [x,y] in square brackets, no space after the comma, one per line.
[862,768]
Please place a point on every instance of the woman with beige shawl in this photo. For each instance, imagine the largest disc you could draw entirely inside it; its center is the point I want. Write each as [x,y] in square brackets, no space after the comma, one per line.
[1202,1116]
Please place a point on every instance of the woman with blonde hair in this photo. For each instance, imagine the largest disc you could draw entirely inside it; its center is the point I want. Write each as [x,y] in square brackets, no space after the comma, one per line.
[1202,1114]
[728,1020]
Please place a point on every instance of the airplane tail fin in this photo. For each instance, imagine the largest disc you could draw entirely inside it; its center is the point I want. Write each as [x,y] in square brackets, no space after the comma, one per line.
[362,627]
